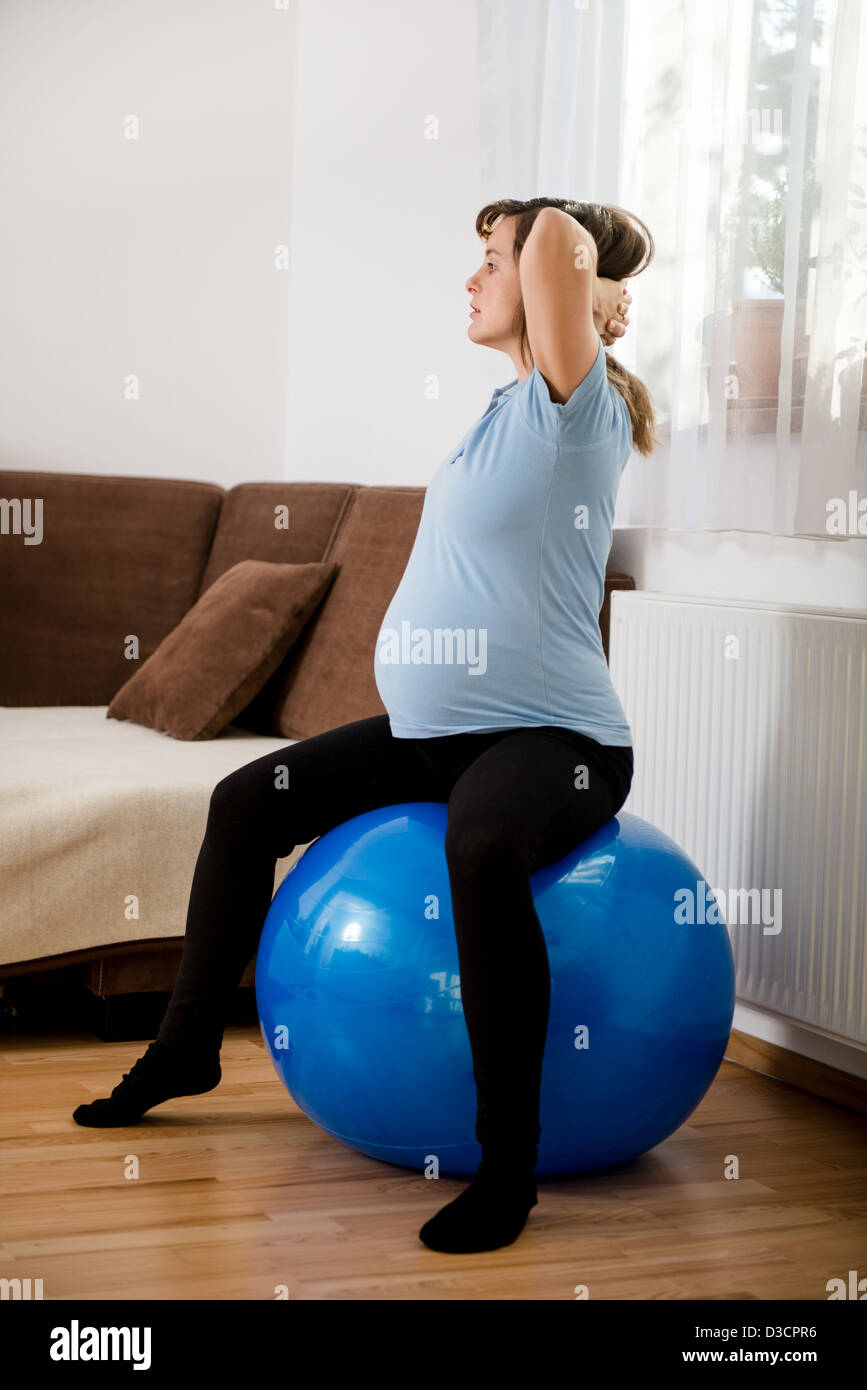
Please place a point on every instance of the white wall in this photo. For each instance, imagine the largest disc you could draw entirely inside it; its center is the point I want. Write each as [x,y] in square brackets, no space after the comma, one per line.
[744,564]
[383,378]
[153,256]
[262,127]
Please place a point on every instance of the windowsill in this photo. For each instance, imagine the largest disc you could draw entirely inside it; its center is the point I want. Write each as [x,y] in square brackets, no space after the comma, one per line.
[756,415]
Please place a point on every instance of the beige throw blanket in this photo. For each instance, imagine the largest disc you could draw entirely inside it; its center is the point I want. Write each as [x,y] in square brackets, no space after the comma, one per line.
[96,813]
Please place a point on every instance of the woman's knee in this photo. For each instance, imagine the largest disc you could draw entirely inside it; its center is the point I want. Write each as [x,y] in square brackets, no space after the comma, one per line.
[471,842]
[239,798]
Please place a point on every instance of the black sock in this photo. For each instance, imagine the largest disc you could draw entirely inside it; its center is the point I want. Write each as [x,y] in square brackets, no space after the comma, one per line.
[162,1073]
[490,1213]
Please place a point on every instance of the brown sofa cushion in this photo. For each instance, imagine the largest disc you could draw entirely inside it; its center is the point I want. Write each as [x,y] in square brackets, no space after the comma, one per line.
[331,677]
[224,649]
[117,556]
[247,529]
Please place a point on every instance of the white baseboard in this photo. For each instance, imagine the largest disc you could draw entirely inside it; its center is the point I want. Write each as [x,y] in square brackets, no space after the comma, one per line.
[801,1038]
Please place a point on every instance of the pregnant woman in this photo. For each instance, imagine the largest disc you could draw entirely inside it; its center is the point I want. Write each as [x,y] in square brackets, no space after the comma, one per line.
[517,727]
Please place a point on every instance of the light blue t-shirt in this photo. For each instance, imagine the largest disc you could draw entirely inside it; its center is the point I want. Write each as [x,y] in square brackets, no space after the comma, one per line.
[495,623]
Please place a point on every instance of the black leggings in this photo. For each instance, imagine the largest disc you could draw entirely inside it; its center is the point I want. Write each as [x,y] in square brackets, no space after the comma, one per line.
[517,801]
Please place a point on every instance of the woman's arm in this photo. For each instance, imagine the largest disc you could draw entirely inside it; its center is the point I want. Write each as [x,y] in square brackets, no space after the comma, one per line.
[565,303]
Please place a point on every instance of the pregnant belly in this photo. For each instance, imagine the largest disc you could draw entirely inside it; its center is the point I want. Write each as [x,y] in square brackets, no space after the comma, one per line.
[449,677]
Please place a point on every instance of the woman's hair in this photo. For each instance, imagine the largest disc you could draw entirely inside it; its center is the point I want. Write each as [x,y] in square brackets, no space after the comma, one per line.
[625,247]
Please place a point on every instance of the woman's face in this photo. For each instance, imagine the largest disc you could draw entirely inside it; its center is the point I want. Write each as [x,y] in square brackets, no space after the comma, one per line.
[495,290]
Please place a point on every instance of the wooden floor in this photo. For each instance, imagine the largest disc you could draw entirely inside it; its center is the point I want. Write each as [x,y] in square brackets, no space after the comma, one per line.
[238,1193]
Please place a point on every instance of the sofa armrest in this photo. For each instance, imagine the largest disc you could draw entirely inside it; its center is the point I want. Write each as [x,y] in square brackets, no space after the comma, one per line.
[612,581]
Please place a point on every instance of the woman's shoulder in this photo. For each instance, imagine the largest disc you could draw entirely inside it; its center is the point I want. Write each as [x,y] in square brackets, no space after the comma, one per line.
[592,415]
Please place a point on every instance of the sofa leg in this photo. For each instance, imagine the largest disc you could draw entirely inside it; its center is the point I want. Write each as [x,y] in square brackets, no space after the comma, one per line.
[56,1001]
[124,1017]
[137,1017]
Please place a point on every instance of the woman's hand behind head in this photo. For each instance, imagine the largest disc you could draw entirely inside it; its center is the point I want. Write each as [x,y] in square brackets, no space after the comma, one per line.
[608,297]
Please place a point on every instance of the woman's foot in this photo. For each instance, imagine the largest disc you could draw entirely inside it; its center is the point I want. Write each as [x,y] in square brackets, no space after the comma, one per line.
[161,1074]
[490,1213]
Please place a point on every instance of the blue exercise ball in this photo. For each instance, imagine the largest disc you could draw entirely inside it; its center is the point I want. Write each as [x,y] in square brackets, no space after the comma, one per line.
[359,1001]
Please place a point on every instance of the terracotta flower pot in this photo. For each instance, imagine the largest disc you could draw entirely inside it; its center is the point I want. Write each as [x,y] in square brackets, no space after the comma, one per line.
[757,325]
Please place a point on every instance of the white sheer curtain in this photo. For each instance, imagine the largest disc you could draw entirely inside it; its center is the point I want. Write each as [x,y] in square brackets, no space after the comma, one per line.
[737,130]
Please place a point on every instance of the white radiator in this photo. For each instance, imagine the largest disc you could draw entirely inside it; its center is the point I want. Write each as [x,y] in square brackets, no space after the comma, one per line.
[749,724]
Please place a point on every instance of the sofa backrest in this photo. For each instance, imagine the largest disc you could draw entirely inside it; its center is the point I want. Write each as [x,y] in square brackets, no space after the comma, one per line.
[118,557]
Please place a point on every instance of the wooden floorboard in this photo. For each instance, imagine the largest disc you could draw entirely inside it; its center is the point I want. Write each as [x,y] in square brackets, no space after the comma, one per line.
[239,1193]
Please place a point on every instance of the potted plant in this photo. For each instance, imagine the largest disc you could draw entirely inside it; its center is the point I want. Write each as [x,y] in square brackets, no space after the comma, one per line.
[757,323]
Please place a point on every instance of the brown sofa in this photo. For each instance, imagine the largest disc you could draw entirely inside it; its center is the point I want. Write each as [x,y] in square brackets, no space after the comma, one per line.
[119,555]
